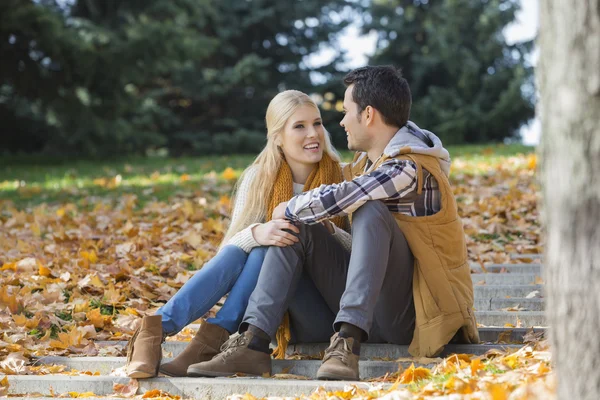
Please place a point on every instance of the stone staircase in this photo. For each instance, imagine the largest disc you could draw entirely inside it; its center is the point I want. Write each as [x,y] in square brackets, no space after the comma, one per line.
[508,303]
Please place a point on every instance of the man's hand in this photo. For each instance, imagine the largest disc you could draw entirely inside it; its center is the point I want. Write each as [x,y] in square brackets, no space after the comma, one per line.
[279,211]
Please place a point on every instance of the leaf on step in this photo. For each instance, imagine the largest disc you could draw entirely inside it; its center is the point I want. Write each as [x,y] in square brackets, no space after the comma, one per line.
[79,395]
[290,376]
[515,308]
[14,364]
[505,337]
[532,337]
[150,394]
[532,294]
[539,280]
[4,385]
[126,390]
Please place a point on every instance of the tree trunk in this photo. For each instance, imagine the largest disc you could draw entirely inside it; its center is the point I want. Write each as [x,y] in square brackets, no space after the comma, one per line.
[569,80]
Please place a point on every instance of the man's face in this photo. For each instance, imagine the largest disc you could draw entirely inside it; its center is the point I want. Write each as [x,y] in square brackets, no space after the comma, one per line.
[354,124]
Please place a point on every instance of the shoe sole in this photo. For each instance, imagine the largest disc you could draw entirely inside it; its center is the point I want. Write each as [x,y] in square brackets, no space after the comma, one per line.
[333,377]
[140,375]
[215,374]
[171,375]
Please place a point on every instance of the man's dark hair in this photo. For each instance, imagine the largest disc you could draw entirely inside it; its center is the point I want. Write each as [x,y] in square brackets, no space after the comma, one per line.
[384,88]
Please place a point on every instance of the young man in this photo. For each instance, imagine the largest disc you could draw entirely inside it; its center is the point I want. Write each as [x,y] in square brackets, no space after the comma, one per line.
[406,280]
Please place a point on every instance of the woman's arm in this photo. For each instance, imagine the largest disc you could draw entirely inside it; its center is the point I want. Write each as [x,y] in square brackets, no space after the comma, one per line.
[244,238]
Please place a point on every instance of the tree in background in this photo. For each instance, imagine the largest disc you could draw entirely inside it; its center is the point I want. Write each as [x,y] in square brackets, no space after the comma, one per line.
[103,77]
[570,112]
[468,84]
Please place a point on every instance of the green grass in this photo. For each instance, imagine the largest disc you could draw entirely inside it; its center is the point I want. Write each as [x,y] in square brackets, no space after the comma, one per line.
[32,180]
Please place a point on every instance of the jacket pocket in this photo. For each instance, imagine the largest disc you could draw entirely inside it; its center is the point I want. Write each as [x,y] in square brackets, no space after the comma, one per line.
[449,242]
[424,299]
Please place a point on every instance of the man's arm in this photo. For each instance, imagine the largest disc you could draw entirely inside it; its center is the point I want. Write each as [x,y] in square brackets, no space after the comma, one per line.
[395,178]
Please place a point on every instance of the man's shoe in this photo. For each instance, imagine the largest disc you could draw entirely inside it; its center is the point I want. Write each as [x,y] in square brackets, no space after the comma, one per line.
[144,349]
[339,363]
[237,357]
[204,346]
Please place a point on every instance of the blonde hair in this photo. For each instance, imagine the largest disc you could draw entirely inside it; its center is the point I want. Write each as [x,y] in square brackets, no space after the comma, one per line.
[267,163]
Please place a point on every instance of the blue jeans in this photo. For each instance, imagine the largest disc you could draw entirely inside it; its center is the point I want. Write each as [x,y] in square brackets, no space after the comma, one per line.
[231,271]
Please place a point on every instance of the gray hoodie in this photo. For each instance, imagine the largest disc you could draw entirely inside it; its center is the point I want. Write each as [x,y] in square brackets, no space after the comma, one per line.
[405,138]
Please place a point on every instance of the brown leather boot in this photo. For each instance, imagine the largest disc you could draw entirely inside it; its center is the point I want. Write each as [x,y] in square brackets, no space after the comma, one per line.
[339,363]
[144,351]
[204,346]
[236,357]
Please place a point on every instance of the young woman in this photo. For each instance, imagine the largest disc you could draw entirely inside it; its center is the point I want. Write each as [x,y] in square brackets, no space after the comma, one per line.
[298,157]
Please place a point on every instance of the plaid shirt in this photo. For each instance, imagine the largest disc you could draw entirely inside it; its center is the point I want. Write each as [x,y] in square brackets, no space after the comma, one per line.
[394,183]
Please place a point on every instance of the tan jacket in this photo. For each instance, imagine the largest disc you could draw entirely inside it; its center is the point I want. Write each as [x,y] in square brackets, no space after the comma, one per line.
[442,286]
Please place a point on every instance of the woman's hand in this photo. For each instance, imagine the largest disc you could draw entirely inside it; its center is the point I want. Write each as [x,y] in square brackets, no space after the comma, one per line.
[329,225]
[272,233]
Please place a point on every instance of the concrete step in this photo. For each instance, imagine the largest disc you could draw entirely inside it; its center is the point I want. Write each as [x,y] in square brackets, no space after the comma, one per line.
[394,351]
[507,335]
[369,351]
[537,257]
[508,268]
[195,388]
[307,368]
[519,303]
[489,292]
[501,318]
[506,279]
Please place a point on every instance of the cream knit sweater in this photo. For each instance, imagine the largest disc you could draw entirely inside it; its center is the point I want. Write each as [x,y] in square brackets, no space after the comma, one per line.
[244,238]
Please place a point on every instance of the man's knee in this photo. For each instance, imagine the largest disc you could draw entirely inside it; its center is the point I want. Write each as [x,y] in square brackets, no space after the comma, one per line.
[308,233]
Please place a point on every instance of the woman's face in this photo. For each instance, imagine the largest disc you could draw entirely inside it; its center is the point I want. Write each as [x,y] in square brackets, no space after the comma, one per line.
[303,137]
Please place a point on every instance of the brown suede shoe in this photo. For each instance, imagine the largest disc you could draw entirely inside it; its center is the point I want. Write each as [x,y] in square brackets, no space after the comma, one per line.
[144,351]
[236,357]
[204,346]
[339,363]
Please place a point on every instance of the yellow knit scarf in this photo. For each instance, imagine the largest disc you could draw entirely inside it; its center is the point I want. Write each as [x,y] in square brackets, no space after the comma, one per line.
[326,172]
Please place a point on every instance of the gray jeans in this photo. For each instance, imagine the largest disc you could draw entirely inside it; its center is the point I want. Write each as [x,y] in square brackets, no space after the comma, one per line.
[323,285]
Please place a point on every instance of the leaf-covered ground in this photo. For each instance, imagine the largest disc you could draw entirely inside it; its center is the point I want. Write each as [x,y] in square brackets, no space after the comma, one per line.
[87,248]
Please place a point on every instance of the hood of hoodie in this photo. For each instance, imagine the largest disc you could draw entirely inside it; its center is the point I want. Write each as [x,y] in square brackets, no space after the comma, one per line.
[406,138]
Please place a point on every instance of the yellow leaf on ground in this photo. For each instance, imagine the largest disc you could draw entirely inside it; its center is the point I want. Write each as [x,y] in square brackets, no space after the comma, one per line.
[476,366]
[511,361]
[229,173]
[96,318]
[29,323]
[498,392]
[532,161]
[44,271]
[413,374]
[36,230]
[89,256]
[12,266]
